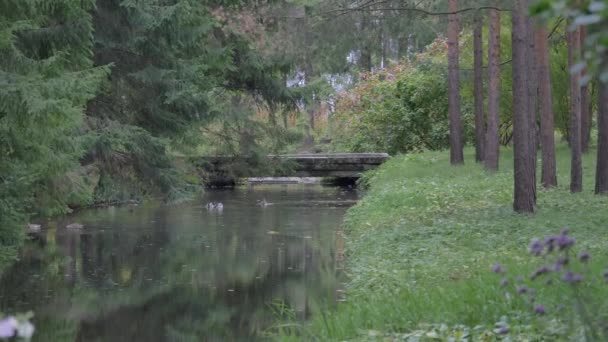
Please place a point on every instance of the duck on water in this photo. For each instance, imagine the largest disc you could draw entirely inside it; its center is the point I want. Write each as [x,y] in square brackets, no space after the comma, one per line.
[219,207]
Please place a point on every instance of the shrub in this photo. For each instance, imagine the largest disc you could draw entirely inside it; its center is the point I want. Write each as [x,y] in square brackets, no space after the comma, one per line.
[397,110]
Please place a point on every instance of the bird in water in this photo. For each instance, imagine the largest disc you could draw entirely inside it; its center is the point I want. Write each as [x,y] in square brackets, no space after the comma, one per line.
[75,226]
[263,203]
[33,228]
[219,207]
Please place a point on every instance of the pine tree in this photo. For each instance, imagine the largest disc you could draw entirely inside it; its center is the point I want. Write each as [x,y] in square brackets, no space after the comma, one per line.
[46,78]
[456,138]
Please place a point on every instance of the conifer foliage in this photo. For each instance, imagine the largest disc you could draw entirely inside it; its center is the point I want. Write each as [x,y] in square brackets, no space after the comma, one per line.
[93,94]
[46,78]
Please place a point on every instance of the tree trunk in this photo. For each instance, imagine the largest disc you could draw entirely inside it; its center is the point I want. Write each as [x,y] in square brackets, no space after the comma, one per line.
[403,47]
[524,196]
[492,145]
[285,112]
[549,173]
[585,108]
[480,128]
[532,91]
[456,143]
[365,63]
[576,167]
[601,174]
[308,76]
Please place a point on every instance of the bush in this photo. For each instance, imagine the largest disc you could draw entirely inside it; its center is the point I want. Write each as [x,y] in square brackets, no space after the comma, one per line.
[398,110]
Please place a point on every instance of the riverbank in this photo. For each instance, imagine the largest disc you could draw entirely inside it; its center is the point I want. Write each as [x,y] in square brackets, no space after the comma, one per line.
[421,244]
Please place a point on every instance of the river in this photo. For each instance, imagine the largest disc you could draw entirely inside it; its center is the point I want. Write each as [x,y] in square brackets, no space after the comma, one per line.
[158,272]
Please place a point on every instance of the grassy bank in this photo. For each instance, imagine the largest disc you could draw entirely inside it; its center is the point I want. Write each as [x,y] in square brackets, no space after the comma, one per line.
[422,243]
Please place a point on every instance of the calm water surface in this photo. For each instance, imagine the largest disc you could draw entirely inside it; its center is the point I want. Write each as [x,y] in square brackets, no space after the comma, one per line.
[181,272]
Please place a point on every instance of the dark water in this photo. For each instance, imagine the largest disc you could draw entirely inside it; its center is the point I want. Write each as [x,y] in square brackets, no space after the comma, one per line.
[180,272]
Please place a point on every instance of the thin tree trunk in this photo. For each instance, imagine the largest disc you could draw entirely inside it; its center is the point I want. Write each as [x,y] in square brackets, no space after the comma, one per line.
[549,172]
[576,171]
[285,112]
[585,108]
[403,42]
[480,128]
[532,92]
[524,196]
[456,142]
[492,143]
[308,76]
[365,62]
[601,174]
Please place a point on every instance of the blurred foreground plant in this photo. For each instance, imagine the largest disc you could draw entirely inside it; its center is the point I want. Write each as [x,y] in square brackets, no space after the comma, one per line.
[560,266]
[16,327]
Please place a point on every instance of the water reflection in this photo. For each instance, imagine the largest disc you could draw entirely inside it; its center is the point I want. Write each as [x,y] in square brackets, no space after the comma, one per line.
[182,273]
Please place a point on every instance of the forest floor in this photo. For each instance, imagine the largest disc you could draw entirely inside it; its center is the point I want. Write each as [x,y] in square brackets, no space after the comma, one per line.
[423,241]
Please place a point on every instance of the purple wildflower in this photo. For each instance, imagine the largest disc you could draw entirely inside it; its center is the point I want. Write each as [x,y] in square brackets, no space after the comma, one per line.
[502,330]
[572,278]
[550,243]
[522,289]
[539,309]
[504,282]
[536,247]
[497,268]
[563,241]
[561,261]
[540,271]
[8,327]
[584,257]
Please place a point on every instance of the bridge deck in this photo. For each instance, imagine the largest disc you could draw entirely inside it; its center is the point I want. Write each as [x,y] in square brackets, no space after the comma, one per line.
[346,165]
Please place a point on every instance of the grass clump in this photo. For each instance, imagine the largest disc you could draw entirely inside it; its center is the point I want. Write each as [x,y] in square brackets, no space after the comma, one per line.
[422,243]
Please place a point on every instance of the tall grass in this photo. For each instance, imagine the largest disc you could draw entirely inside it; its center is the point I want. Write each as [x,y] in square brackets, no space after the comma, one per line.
[422,242]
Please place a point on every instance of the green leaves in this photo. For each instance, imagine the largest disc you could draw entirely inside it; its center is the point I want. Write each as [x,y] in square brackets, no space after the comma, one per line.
[398,110]
[590,14]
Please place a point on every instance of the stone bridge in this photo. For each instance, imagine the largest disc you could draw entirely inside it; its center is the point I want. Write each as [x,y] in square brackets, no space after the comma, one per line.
[338,165]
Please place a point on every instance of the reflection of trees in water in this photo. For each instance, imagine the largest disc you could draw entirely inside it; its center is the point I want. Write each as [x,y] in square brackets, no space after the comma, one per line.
[160,284]
[211,299]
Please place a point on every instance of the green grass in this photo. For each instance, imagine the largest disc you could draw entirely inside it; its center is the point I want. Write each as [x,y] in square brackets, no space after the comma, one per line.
[421,244]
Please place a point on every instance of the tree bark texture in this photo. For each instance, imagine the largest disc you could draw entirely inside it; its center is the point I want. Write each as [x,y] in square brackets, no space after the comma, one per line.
[547,126]
[480,121]
[532,92]
[456,140]
[576,166]
[585,108]
[601,174]
[365,62]
[492,145]
[524,190]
